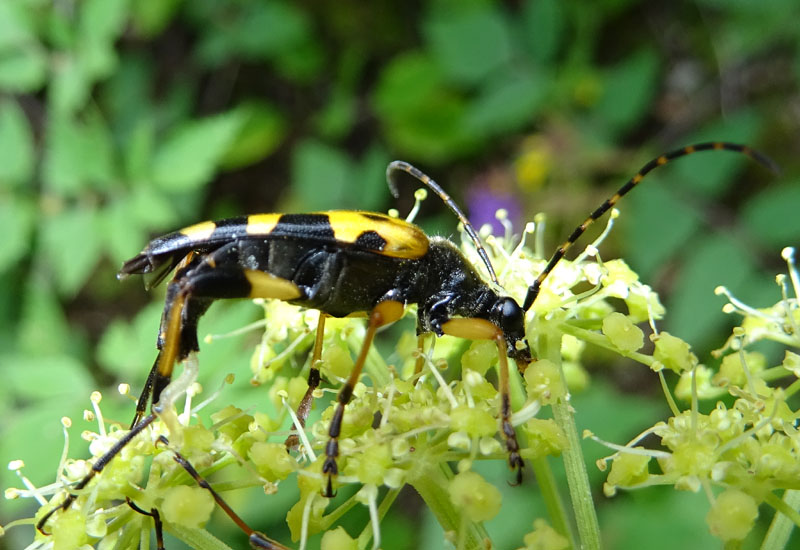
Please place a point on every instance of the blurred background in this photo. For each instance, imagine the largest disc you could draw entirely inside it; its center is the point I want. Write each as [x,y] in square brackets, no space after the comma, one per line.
[124,119]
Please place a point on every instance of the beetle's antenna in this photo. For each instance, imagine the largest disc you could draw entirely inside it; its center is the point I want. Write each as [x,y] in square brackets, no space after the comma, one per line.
[533,290]
[401,166]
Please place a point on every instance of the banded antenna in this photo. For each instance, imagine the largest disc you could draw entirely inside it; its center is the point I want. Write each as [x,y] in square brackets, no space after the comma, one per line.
[401,166]
[533,290]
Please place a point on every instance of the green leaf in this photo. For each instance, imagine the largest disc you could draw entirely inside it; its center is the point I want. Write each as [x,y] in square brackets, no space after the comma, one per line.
[70,85]
[71,243]
[711,173]
[773,215]
[98,150]
[190,155]
[505,105]
[470,43]
[23,61]
[150,209]
[129,222]
[43,328]
[656,223]
[368,184]
[628,91]
[122,236]
[16,146]
[126,349]
[17,217]
[139,150]
[63,156]
[408,81]
[262,131]
[77,154]
[49,376]
[151,17]
[101,23]
[336,119]
[543,25]
[423,118]
[17,26]
[639,516]
[709,262]
[23,71]
[320,176]
[239,31]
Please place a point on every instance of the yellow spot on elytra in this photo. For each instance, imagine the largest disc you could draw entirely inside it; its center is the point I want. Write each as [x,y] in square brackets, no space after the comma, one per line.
[261,224]
[199,231]
[403,239]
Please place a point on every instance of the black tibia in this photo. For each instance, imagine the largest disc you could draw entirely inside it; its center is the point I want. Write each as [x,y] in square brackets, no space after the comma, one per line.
[153,513]
[97,467]
[384,313]
[189,295]
[304,408]
[258,541]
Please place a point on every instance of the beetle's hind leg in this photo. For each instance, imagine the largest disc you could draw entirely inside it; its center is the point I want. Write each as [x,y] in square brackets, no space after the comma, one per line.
[384,313]
[97,467]
[202,280]
[144,397]
[304,408]
[153,513]
[258,541]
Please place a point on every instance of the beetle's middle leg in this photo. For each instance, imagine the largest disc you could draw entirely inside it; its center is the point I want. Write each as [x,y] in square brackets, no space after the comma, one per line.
[384,313]
[313,382]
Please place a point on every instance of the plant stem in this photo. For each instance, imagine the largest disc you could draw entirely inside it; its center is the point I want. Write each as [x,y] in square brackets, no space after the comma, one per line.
[552,499]
[785,520]
[431,481]
[574,463]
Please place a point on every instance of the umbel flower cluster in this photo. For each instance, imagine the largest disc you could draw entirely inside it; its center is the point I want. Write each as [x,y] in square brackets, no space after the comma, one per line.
[428,430]
[749,449]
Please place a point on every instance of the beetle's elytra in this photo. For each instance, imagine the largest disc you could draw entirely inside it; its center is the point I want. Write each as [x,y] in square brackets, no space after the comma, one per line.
[340,263]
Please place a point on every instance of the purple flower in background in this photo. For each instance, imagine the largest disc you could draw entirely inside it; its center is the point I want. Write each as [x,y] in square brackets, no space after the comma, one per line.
[486,196]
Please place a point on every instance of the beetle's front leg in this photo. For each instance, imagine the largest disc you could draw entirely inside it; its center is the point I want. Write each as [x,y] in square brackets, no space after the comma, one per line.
[480,329]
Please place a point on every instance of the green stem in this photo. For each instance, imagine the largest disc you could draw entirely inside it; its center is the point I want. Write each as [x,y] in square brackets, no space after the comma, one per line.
[431,481]
[599,340]
[383,509]
[574,463]
[552,498]
[195,538]
[785,520]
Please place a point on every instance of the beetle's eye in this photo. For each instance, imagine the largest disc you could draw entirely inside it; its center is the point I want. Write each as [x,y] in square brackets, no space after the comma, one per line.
[510,312]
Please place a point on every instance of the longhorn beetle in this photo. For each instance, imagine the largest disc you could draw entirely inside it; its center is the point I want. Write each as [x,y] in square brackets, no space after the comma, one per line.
[340,263]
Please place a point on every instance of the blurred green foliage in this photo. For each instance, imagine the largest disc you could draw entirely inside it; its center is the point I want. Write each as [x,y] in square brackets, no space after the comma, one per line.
[121,119]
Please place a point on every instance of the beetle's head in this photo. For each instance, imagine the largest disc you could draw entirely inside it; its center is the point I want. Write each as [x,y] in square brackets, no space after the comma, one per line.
[510,317]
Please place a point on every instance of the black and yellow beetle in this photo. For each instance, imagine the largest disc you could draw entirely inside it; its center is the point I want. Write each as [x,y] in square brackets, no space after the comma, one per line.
[341,263]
